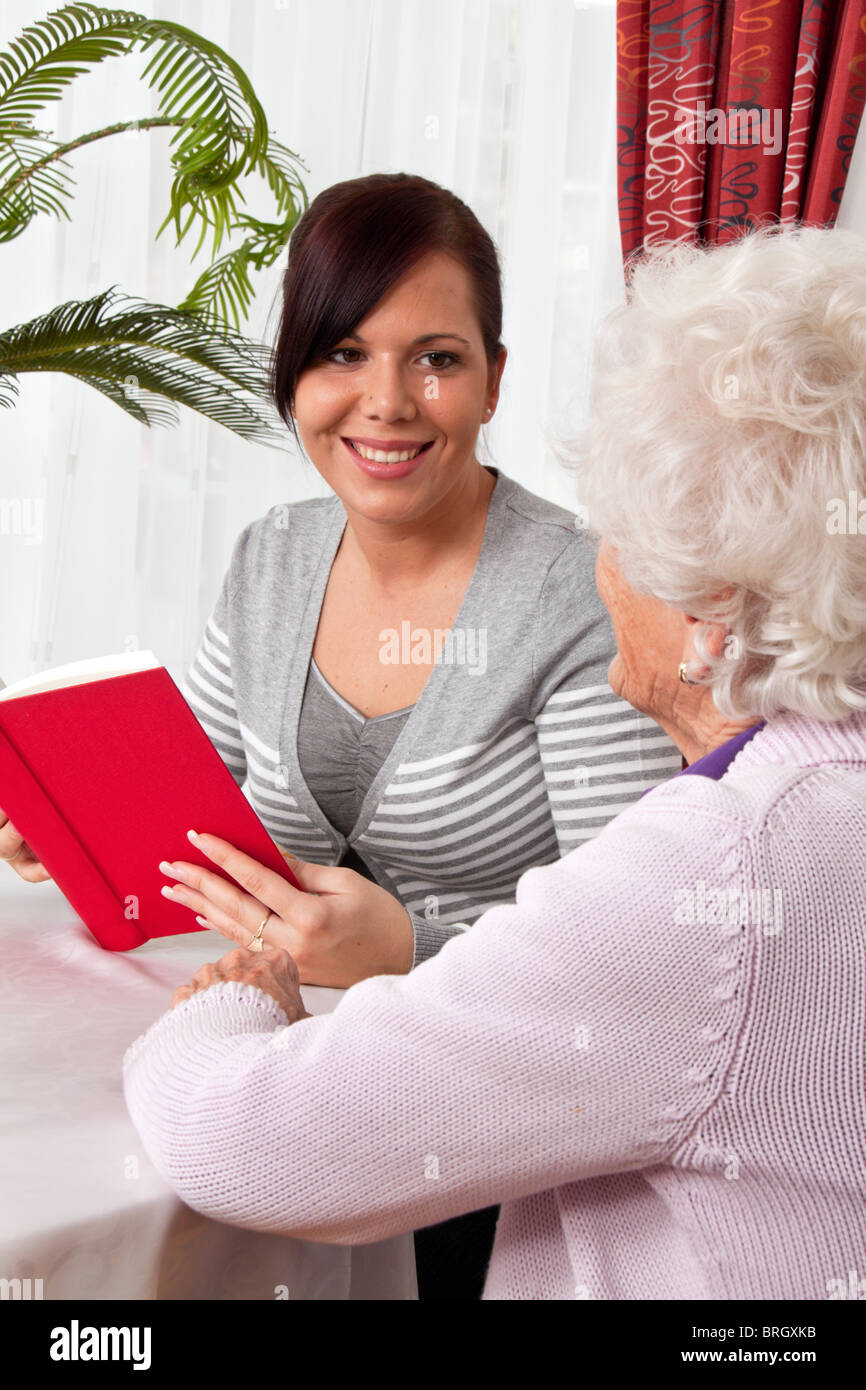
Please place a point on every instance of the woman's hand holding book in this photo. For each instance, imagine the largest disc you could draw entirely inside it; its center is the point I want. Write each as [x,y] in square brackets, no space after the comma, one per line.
[340,929]
[19,855]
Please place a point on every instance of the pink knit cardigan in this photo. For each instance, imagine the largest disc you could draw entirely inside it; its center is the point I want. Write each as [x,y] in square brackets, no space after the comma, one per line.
[654,1061]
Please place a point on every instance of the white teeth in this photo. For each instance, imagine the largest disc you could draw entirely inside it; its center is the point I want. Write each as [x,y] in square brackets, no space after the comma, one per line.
[380,456]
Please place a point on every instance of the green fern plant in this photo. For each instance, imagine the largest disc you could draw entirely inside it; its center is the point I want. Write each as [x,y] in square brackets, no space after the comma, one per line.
[148,358]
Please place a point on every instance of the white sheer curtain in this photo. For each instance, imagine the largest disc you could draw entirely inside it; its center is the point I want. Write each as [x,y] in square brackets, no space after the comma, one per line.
[117,536]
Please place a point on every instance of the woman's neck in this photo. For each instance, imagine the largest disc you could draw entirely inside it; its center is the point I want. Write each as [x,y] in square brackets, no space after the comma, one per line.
[403,556]
[697,727]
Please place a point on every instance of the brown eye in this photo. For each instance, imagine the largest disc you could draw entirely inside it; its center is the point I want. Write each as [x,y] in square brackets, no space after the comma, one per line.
[451,358]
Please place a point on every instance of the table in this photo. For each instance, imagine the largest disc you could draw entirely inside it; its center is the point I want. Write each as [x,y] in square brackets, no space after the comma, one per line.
[81,1206]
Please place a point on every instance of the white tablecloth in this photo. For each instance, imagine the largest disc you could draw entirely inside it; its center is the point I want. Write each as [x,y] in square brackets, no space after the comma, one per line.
[81,1206]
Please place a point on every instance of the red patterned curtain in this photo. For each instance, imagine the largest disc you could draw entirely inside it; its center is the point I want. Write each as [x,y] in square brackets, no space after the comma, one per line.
[734,113]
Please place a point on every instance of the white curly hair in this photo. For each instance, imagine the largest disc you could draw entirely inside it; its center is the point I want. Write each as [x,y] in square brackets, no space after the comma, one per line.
[727,429]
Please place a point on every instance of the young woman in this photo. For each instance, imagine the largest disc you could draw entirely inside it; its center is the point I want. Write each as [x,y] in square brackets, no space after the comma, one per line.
[317,679]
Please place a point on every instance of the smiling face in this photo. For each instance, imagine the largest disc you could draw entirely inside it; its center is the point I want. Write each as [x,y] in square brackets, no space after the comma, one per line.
[391,417]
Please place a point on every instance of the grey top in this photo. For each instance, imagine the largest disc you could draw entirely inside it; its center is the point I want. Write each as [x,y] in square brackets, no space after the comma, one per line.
[516,751]
[340,752]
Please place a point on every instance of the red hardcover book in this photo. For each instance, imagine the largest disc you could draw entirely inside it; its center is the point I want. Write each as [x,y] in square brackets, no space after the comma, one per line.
[103,775]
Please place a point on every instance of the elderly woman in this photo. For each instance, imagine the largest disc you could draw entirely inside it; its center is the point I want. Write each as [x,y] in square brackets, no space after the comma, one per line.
[654,1058]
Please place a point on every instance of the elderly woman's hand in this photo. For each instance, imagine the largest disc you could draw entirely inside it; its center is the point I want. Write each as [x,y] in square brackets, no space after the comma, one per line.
[341,929]
[272,971]
[18,855]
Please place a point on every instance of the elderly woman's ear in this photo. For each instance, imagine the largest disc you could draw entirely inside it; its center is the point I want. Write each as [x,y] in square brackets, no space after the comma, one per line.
[703,638]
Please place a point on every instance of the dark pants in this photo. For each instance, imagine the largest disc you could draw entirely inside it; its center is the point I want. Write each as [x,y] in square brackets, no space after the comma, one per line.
[451,1258]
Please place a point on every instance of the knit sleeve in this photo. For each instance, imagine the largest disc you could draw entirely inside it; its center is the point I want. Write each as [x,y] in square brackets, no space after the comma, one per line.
[598,753]
[578,1032]
[207,686]
[431,935]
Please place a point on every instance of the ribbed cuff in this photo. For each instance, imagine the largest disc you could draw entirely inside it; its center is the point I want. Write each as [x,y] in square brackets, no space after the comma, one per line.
[243,1007]
[430,936]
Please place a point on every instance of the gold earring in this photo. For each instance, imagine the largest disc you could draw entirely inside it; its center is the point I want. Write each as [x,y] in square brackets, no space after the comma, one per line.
[686,680]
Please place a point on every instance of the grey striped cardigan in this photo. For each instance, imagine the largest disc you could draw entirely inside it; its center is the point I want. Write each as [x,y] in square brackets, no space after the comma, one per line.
[515,753]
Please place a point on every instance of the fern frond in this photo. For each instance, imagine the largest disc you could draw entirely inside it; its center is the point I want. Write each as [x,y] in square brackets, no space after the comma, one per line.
[221,137]
[279,167]
[225,128]
[222,128]
[49,54]
[35,187]
[134,351]
[223,293]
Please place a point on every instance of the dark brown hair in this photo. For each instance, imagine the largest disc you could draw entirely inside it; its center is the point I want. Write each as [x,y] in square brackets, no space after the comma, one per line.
[353,243]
